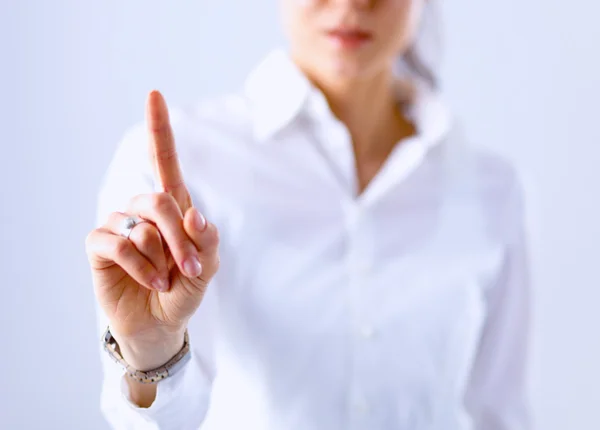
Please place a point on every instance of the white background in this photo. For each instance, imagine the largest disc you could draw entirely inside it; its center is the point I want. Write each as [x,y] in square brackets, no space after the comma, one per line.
[523,75]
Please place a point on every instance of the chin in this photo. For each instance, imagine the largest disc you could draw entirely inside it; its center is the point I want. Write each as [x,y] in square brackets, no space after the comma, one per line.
[337,67]
[349,68]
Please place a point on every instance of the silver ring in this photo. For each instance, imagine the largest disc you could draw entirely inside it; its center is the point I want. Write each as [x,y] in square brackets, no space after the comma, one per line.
[128,224]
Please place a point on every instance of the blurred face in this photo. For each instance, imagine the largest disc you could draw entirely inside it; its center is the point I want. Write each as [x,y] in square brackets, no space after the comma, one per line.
[349,39]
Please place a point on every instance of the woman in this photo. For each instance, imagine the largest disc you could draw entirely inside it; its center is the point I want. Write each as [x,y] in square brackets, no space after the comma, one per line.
[372,271]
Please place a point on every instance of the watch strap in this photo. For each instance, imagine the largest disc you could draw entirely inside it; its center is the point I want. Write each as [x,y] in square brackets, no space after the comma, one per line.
[148,376]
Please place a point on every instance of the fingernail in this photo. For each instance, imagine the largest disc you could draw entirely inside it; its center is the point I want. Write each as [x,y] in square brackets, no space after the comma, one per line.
[192,267]
[160,284]
[199,220]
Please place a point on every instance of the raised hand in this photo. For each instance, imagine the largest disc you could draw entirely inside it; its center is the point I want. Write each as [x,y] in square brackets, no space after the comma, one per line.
[151,283]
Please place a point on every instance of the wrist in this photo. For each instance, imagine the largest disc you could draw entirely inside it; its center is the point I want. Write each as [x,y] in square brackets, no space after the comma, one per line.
[152,350]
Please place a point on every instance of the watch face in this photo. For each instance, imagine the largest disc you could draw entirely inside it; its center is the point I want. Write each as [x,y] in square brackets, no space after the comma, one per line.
[107,336]
[111,346]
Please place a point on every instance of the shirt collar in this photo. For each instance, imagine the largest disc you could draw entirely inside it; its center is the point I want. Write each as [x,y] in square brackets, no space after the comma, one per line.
[429,113]
[278,92]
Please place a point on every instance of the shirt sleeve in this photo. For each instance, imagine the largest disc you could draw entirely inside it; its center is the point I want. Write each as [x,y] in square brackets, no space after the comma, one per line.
[182,400]
[497,395]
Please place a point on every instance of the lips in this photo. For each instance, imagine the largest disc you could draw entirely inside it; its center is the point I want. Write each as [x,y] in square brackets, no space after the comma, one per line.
[349,38]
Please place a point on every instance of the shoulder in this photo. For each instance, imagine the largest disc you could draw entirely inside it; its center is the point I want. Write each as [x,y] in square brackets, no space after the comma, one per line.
[487,180]
[473,168]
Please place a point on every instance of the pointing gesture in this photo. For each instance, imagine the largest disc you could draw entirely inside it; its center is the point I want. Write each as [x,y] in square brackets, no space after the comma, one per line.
[151,265]
[163,151]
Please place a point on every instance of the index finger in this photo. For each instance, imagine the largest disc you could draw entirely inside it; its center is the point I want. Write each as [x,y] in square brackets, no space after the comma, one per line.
[163,152]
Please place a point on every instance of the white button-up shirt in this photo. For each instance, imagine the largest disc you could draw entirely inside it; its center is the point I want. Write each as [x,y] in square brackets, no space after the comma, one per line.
[405,307]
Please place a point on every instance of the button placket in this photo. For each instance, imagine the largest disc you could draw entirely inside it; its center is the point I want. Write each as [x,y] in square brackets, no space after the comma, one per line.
[358,269]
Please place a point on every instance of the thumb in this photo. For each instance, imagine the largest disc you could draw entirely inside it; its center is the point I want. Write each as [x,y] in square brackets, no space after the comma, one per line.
[206,238]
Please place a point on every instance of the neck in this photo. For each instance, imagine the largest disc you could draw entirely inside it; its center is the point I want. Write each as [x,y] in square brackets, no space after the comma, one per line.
[369,108]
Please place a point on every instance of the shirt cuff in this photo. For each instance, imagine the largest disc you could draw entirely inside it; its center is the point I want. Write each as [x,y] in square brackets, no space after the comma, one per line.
[181,400]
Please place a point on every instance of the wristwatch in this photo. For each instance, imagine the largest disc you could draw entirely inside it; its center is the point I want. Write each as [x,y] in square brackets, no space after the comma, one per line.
[149,376]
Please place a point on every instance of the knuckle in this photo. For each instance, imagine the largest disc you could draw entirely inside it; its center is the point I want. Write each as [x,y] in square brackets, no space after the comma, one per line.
[122,248]
[147,237]
[161,202]
[177,187]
